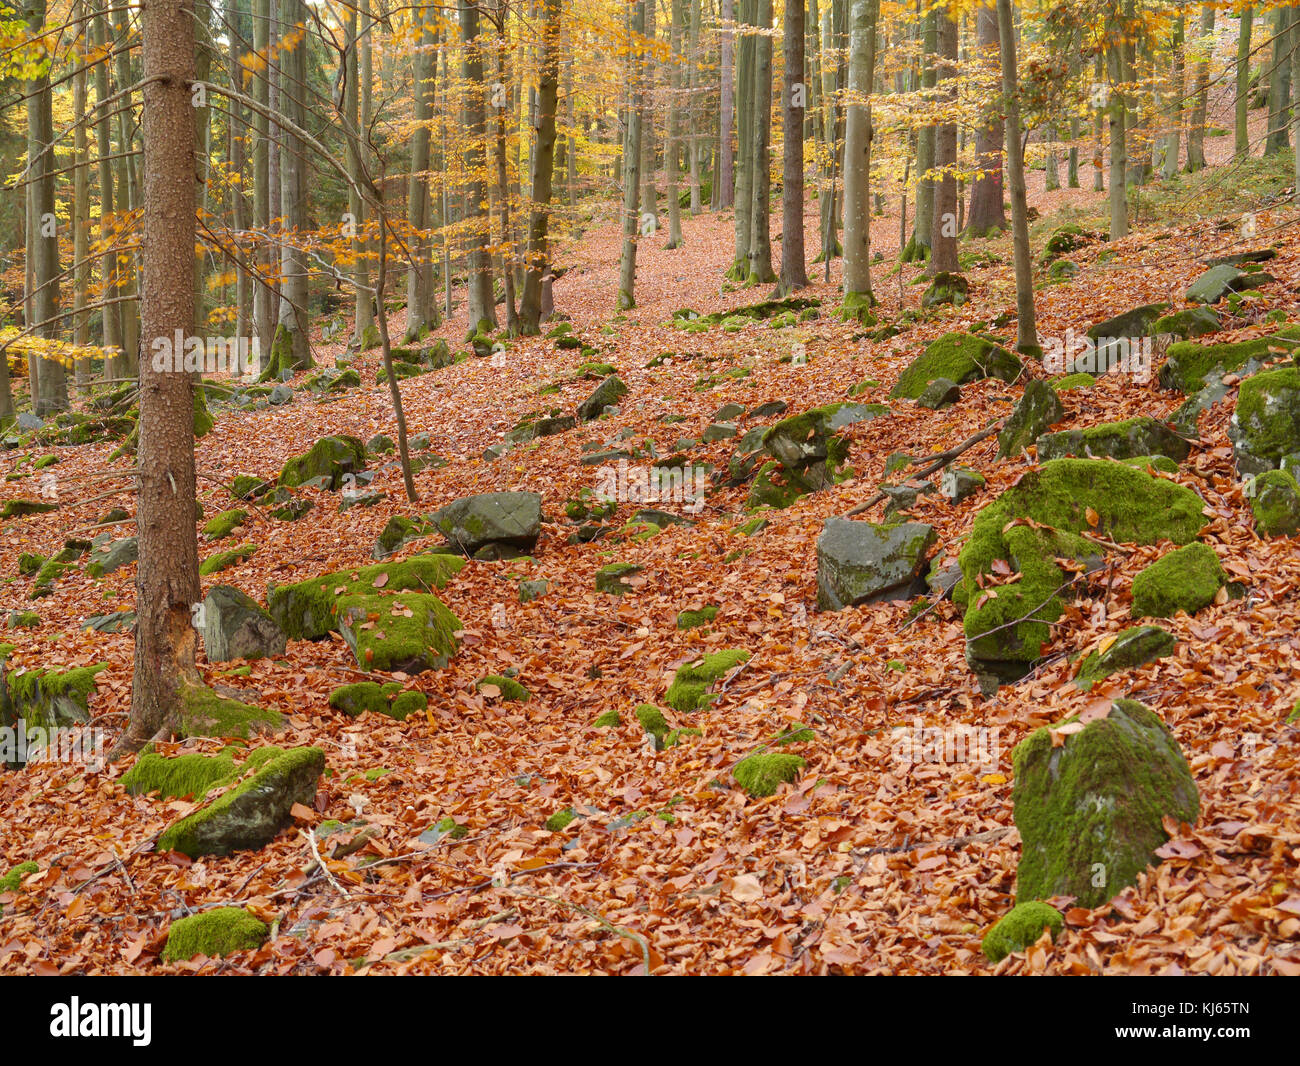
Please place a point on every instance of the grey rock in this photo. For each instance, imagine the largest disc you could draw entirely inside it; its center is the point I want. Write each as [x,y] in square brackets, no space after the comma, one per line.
[236,627]
[858,562]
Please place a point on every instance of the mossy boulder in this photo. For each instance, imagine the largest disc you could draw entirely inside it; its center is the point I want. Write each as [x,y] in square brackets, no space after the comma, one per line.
[224,523]
[613,577]
[605,395]
[46,698]
[251,813]
[1116,440]
[206,713]
[1042,519]
[306,610]
[388,699]
[1020,928]
[959,357]
[1216,283]
[491,525]
[1132,648]
[1039,408]
[23,508]
[1275,502]
[1090,812]
[408,631]
[945,288]
[13,880]
[860,562]
[697,618]
[398,533]
[1187,323]
[1266,424]
[236,627]
[330,457]
[225,560]
[762,773]
[1190,366]
[176,778]
[1137,322]
[112,556]
[1073,381]
[214,933]
[1183,580]
[940,393]
[689,690]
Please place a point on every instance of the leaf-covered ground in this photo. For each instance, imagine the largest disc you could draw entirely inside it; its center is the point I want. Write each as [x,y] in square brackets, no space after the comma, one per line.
[862,865]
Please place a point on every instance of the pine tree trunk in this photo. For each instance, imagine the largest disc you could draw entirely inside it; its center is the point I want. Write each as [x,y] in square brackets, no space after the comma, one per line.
[167,578]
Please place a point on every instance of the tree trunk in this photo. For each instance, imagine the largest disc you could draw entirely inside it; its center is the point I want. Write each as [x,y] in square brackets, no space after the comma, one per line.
[760,112]
[631,170]
[167,579]
[1177,85]
[1026,325]
[543,164]
[673,144]
[482,304]
[421,307]
[857,158]
[80,199]
[263,293]
[723,178]
[1241,135]
[1116,122]
[794,272]
[986,216]
[943,223]
[649,191]
[1196,132]
[745,170]
[919,246]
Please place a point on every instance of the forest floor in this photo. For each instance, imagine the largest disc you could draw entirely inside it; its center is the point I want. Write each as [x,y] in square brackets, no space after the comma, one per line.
[862,865]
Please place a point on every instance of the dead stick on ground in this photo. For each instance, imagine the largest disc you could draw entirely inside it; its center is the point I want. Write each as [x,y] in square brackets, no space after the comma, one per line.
[941,460]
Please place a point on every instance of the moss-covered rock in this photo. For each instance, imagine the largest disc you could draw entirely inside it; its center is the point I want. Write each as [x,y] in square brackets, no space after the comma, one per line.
[694,619]
[1073,381]
[1020,928]
[945,288]
[398,533]
[251,813]
[1186,579]
[1116,440]
[224,560]
[762,773]
[1188,364]
[1039,408]
[653,722]
[561,820]
[330,457]
[1266,425]
[1275,503]
[510,690]
[387,699]
[205,713]
[13,880]
[175,778]
[689,690]
[214,933]
[307,610]
[1131,648]
[613,577]
[1090,811]
[960,357]
[606,394]
[1042,519]
[408,631]
[861,562]
[46,698]
[224,523]
[22,508]
[491,524]
[1187,323]
[606,719]
[1137,322]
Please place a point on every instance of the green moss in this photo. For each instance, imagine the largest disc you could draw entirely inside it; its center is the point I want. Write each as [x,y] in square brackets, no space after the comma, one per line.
[406,704]
[959,357]
[1275,503]
[560,820]
[21,508]
[224,523]
[1183,580]
[653,722]
[245,487]
[206,714]
[610,578]
[1098,801]
[1131,648]
[689,690]
[224,560]
[763,773]
[45,461]
[214,933]
[24,620]
[363,696]
[511,690]
[1272,426]
[409,631]
[176,778]
[328,457]
[13,880]
[307,610]
[702,617]
[608,718]
[38,694]
[267,764]
[1074,381]
[1187,363]
[30,563]
[1020,928]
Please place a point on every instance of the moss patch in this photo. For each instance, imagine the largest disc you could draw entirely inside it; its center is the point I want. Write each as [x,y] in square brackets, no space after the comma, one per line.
[689,690]
[511,690]
[693,619]
[224,523]
[1020,928]
[1183,580]
[176,778]
[214,933]
[763,773]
